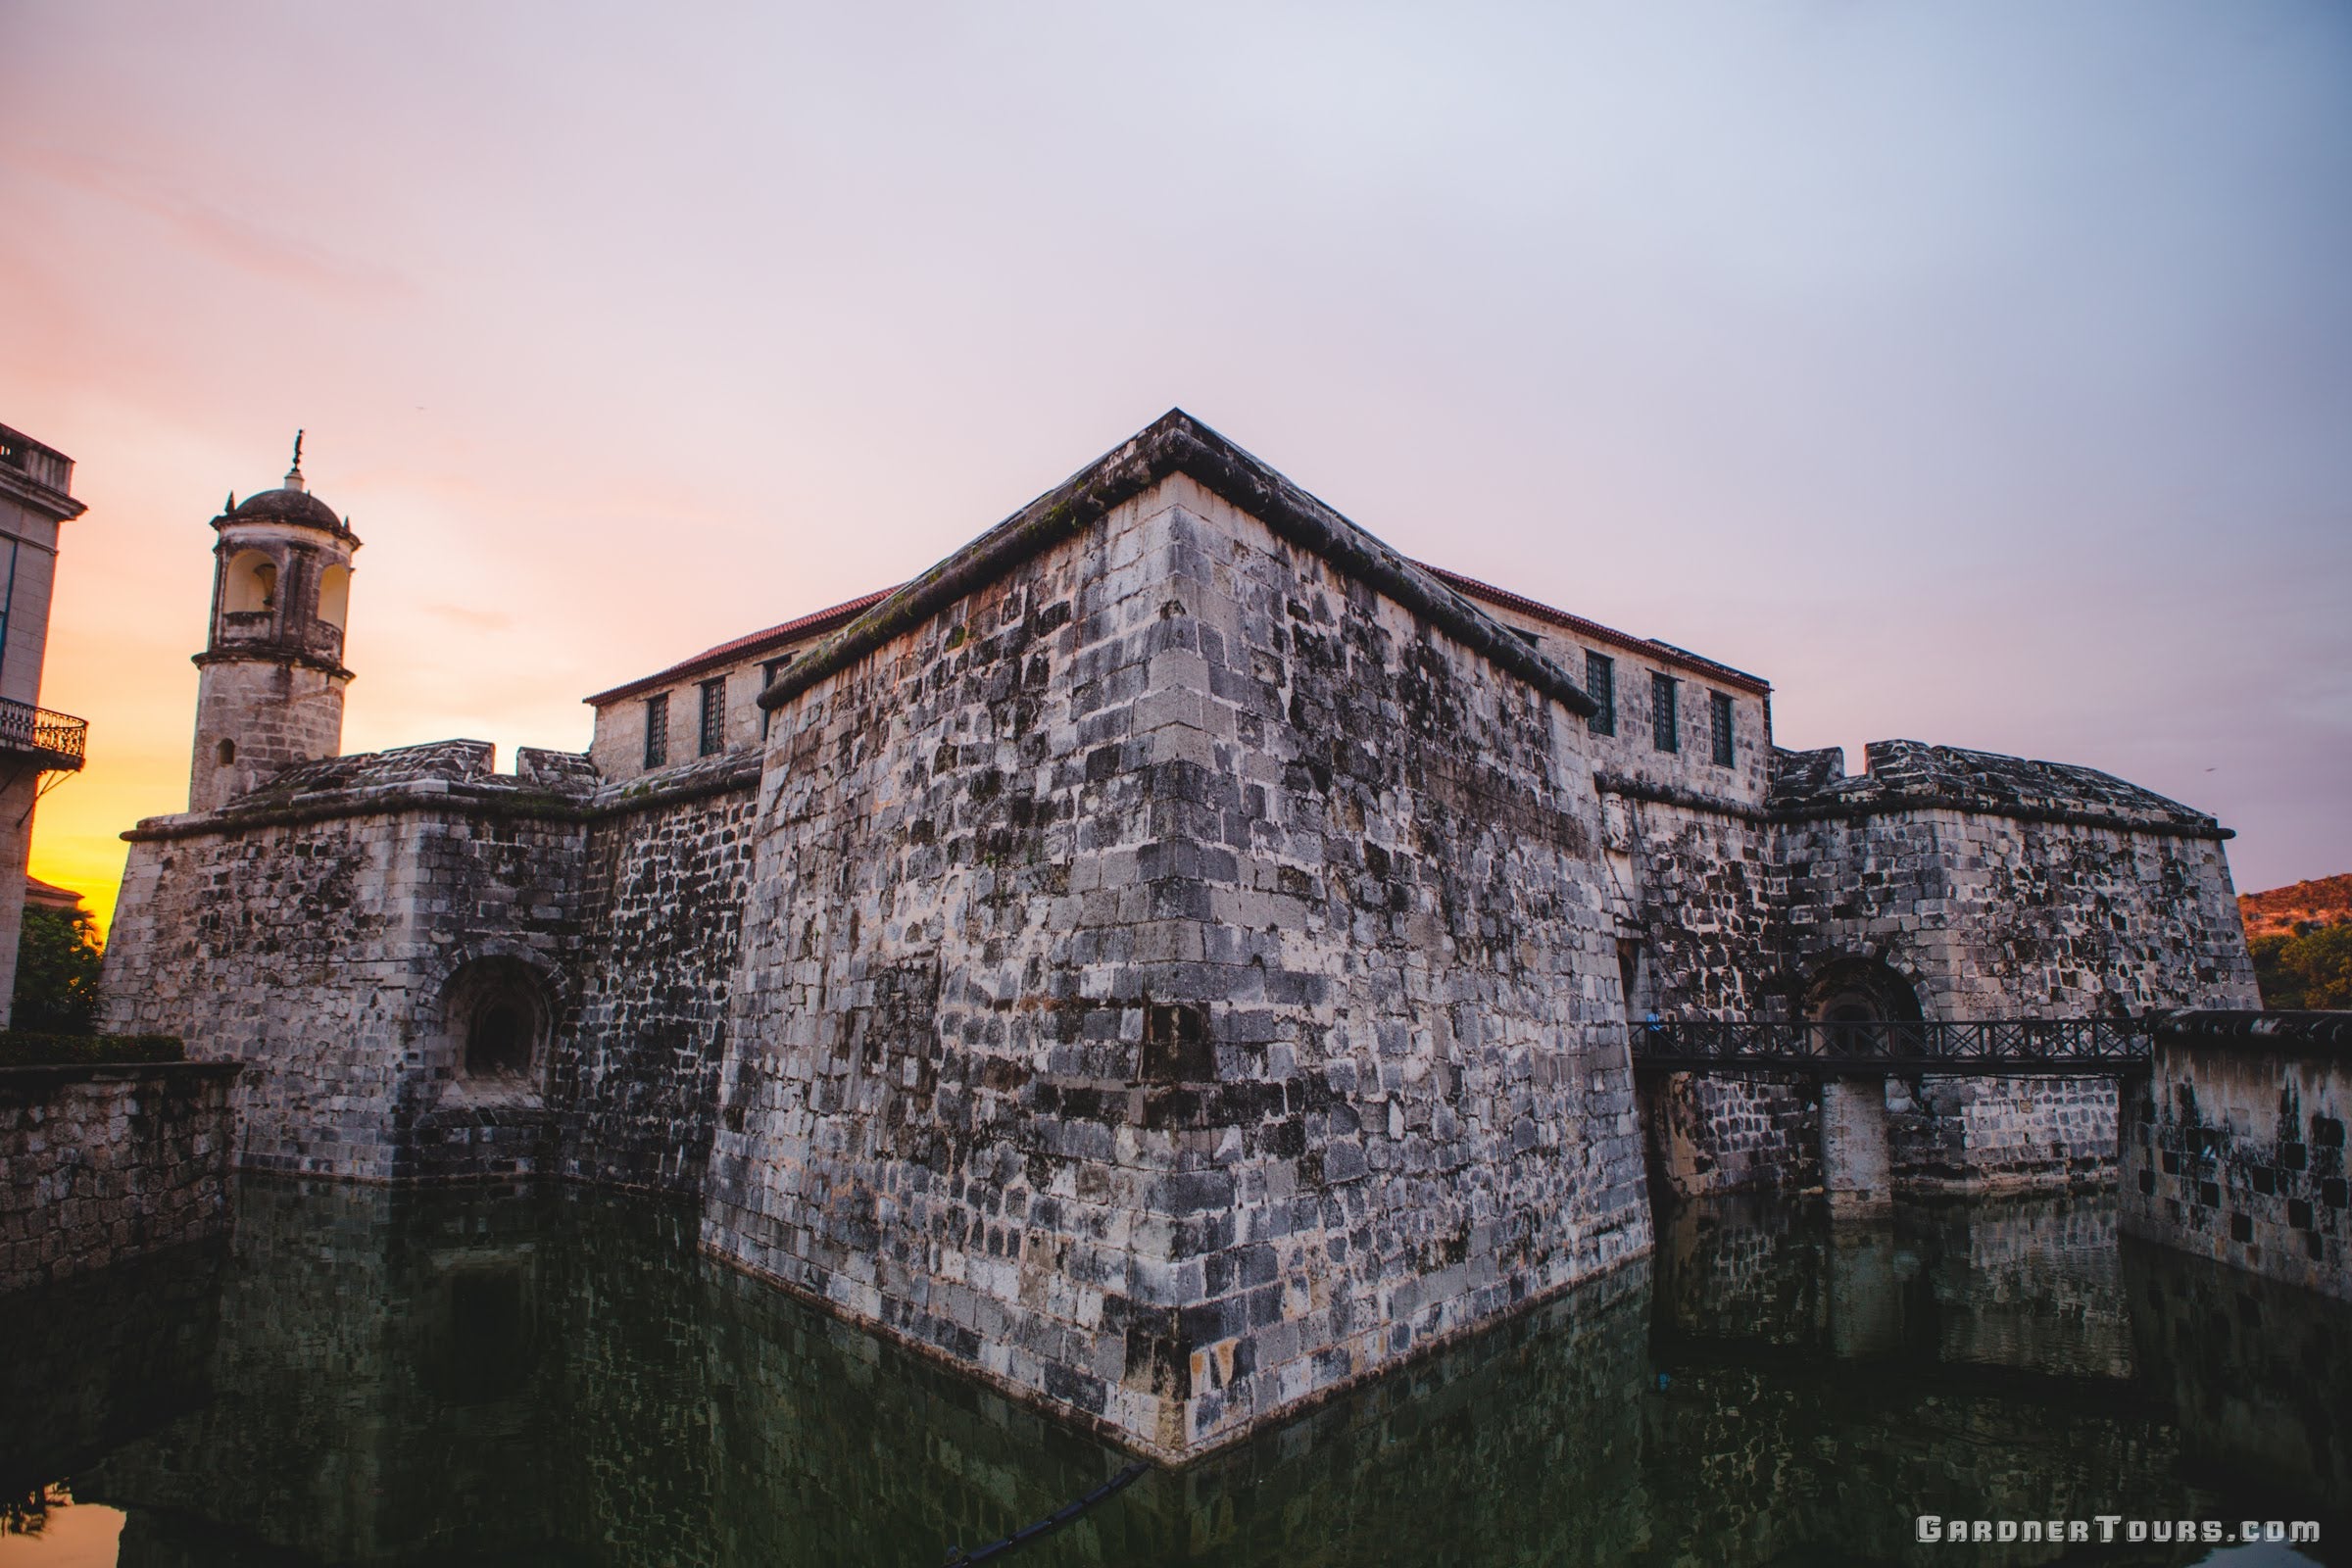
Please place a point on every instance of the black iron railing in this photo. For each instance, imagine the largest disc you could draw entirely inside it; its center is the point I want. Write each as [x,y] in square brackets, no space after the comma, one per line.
[1989,1045]
[55,739]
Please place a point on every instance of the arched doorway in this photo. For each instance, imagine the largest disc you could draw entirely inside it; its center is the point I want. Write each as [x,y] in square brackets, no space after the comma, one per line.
[1861,991]
[1863,1002]
[495,1016]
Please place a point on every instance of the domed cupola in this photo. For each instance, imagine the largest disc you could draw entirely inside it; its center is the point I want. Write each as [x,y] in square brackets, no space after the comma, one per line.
[271,692]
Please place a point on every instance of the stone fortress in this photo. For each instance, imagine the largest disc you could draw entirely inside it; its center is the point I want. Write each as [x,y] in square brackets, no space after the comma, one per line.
[1172,960]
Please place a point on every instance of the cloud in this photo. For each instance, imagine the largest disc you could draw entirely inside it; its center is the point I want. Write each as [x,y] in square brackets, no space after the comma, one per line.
[224,235]
[478,619]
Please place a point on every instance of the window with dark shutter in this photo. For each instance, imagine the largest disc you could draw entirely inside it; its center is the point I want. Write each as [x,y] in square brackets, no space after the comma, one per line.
[1600,684]
[1719,727]
[714,716]
[1665,722]
[656,730]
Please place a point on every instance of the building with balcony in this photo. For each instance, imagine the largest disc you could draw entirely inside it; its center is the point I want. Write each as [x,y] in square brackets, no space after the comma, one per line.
[35,498]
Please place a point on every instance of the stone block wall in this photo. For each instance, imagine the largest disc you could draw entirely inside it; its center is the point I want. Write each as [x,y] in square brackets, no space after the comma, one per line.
[636,1071]
[1953,1135]
[1709,1133]
[1974,886]
[1700,893]
[323,930]
[931,1112]
[1413,942]
[271,714]
[279,948]
[1175,984]
[102,1164]
[2236,1148]
[1997,917]
[313,931]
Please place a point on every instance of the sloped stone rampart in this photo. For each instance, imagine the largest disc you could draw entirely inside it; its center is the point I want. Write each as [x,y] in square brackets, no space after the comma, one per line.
[1176,984]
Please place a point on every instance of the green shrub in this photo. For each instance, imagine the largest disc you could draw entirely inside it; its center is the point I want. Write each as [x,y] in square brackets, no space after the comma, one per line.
[57,971]
[27,1048]
[2311,968]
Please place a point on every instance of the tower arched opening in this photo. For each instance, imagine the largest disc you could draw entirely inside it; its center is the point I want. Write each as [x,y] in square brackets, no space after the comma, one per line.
[334,596]
[251,585]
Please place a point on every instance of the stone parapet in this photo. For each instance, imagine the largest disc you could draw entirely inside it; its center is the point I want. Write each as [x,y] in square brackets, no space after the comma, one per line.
[2236,1151]
[103,1163]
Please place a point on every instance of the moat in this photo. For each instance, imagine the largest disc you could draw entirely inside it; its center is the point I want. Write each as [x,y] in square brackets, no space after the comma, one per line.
[369,1375]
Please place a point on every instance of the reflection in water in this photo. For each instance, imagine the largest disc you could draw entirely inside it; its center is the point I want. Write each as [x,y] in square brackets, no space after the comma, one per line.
[368,1376]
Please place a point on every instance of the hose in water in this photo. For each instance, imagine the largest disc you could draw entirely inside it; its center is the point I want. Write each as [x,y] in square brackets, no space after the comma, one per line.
[957,1557]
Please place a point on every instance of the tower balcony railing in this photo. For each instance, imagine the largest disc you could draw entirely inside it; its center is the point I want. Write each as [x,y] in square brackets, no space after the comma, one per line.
[54,740]
[1989,1045]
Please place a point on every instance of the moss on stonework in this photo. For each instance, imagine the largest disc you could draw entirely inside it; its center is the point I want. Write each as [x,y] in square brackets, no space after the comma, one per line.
[26,1047]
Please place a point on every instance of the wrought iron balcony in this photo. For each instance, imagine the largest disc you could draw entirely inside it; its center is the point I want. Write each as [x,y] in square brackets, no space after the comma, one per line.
[1985,1045]
[54,740]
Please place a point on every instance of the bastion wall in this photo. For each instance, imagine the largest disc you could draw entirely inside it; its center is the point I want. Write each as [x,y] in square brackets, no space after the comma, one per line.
[1941,884]
[333,929]
[1176,982]
[1173,958]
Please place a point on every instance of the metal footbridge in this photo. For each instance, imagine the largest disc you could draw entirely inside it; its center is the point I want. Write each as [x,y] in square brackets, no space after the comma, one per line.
[1991,1048]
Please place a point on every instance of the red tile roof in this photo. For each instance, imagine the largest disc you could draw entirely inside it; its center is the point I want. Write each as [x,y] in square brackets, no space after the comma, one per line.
[841,614]
[792,631]
[1594,629]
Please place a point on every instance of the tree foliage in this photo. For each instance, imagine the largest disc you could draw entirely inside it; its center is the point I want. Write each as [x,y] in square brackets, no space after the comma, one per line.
[2310,968]
[57,971]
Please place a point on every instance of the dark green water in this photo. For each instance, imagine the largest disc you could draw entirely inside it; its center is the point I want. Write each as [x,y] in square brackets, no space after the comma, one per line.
[371,1377]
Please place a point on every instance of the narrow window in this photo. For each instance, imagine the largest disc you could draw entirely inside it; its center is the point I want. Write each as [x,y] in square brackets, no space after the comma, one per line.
[770,670]
[1600,684]
[1664,722]
[7,599]
[1719,727]
[656,730]
[714,716]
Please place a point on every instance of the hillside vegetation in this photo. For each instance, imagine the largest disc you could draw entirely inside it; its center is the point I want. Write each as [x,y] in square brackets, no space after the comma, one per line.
[2283,911]
[2301,937]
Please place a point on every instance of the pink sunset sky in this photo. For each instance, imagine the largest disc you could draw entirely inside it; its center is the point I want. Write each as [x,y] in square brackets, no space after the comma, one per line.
[1979,374]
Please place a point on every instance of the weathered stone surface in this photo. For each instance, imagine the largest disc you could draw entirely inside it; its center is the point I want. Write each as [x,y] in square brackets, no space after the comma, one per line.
[2237,1146]
[1707,1133]
[1176,980]
[99,1164]
[1948,884]
[1172,958]
[322,929]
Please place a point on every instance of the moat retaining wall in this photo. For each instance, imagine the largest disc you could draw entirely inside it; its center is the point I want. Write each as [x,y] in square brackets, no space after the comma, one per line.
[102,1164]
[2237,1147]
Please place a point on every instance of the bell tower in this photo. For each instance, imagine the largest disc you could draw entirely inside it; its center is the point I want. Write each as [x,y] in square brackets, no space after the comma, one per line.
[270,688]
